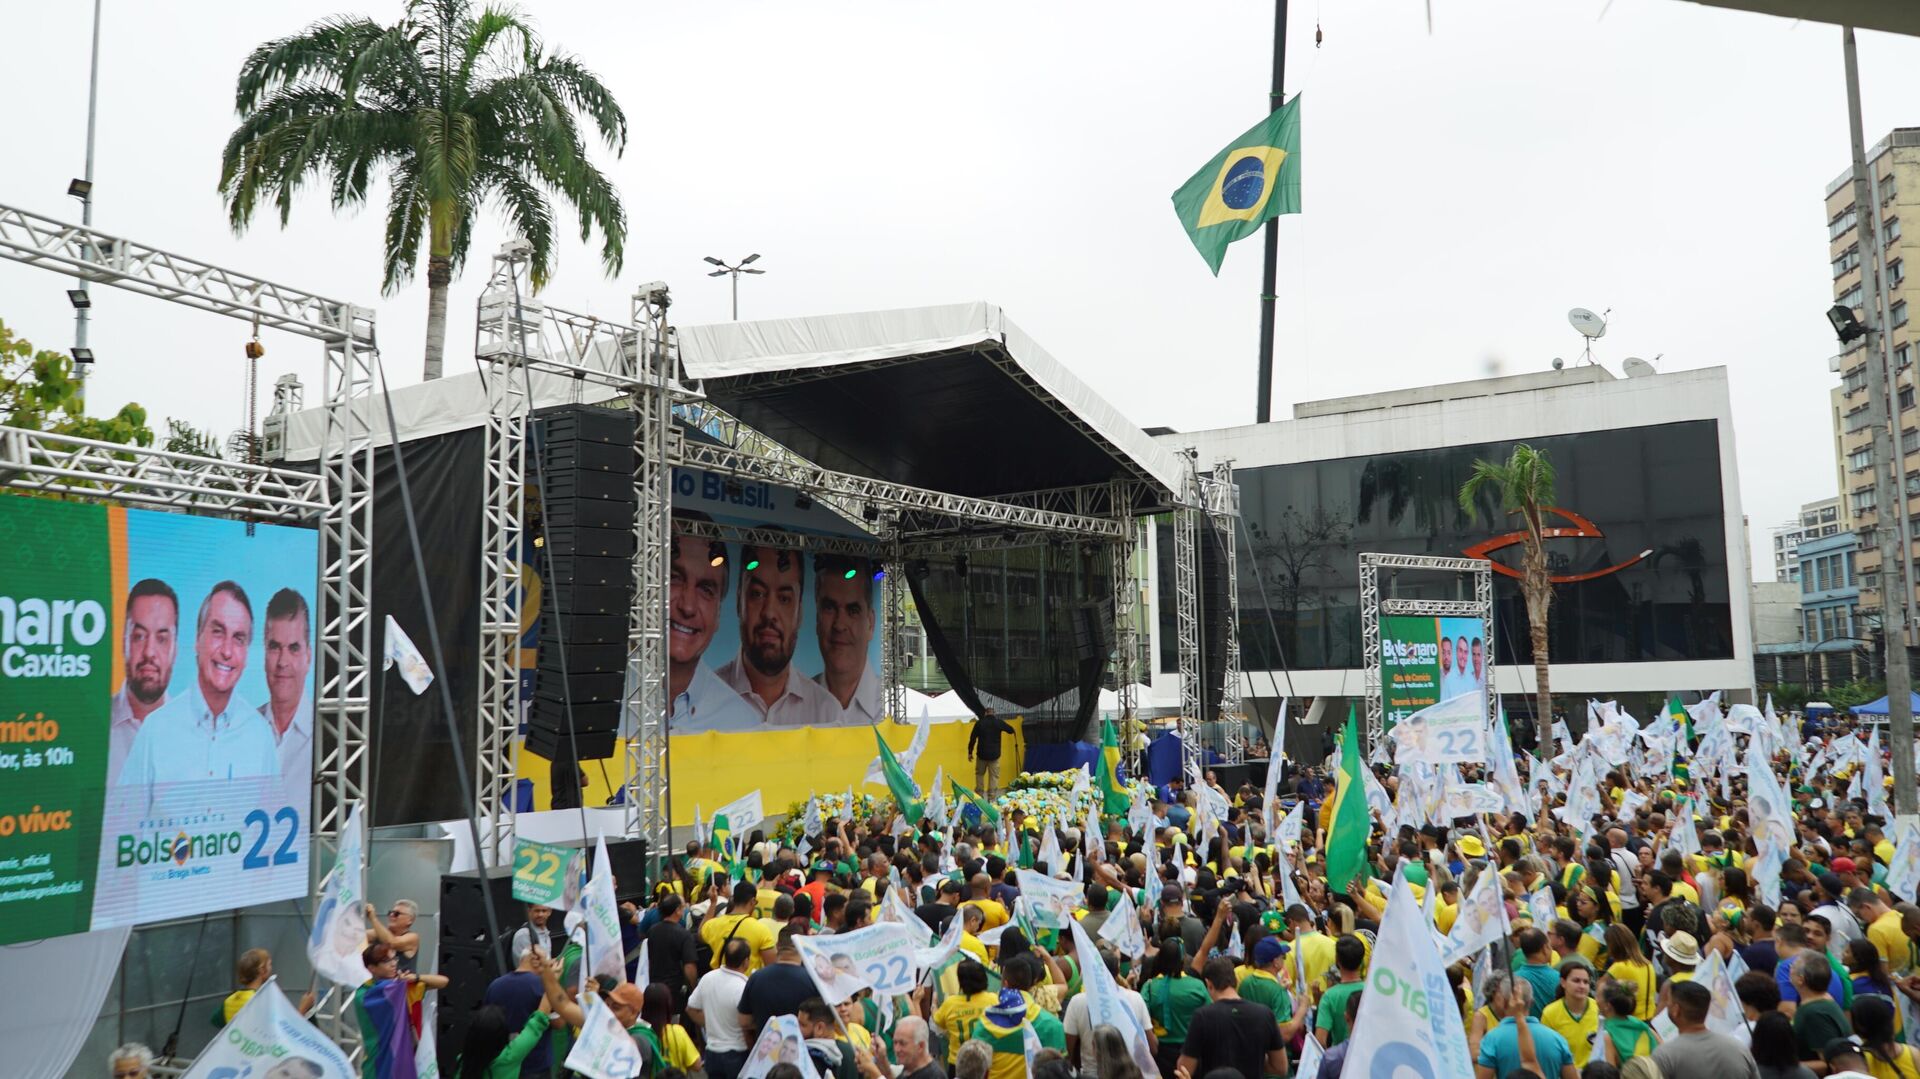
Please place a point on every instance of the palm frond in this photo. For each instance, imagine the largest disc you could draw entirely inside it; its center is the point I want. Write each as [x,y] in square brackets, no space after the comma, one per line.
[317,55]
[406,224]
[583,90]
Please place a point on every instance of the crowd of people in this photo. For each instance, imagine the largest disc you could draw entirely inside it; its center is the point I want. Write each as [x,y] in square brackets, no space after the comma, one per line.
[1631,910]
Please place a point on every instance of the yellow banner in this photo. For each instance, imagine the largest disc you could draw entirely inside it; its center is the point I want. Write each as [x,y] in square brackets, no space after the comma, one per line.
[709,770]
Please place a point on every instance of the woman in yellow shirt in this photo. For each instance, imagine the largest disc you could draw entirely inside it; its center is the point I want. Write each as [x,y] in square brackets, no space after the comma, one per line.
[1630,968]
[1574,1016]
[656,1010]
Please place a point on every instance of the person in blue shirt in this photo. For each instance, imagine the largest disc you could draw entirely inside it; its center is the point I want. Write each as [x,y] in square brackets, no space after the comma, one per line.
[1506,1047]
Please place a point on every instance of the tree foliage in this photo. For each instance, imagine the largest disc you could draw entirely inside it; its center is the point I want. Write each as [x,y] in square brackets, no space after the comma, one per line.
[456,108]
[39,391]
[1523,484]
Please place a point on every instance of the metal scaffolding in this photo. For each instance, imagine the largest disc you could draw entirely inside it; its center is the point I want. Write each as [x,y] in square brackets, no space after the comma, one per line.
[340,496]
[1126,604]
[655,368]
[1372,606]
[1223,514]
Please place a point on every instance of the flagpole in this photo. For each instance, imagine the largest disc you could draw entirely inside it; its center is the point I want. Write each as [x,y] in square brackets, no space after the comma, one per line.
[1270,271]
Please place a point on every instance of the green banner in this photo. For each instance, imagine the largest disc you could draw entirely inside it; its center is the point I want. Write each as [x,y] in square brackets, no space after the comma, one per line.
[1425,660]
[56,669]
[547,874]
[156,715]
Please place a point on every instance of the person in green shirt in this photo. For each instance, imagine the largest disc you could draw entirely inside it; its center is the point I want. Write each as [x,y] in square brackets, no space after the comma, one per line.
[1538,969]
[1817,1020]
[1330,1022]
[1172,995]
[1627,1036]
[492,1051]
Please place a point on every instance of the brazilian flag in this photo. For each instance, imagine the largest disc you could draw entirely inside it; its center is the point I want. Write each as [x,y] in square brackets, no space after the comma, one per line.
[905,794]
[963,796]
[1114,799]
[1348,831]
[1681,770]
[1255,178]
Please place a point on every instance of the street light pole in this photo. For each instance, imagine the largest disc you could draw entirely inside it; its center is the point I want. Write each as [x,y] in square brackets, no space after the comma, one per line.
[1889,528]
[86,207]
[744,266]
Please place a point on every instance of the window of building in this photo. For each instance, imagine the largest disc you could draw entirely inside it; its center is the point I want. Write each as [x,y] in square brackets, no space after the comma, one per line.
[1896,273]
[1859,419]
[1861,459]
[1829,513]
[1850,298]
[1887,189]
[1899,311]
[1906,398]
[1842,223]
[1854,381]
[1863,501]
[1890,231]
[1849,565]
[1827,630]
[1828,530]
[1848,260]
[1909,441]
[1902,355]
[1813,625]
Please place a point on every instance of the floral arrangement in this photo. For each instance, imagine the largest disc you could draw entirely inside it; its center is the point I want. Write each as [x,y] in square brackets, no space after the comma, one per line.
[1048,797]
[865,808]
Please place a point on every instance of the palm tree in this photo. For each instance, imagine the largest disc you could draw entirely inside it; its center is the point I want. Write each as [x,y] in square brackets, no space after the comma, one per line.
[456,108]
[1524,485]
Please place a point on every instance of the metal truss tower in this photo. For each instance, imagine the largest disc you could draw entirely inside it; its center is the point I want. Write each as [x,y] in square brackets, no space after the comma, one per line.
[654,370]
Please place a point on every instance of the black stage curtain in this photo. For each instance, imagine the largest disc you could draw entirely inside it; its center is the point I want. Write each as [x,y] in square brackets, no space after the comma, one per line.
[412,756]
[1025,625]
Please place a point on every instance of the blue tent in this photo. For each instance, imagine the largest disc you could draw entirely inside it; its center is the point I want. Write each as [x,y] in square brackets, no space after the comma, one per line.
[1879,707]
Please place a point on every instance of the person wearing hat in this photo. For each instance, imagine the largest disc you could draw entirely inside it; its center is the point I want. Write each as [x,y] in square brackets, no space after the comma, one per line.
[1471,847]
[1001,1025]
[1259,982]
[1682,952]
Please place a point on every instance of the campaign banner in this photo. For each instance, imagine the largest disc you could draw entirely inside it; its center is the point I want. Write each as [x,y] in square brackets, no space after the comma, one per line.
[156,715]
[878,957]
[1052,901]
[548,874]
[1426,660]
[269,1038]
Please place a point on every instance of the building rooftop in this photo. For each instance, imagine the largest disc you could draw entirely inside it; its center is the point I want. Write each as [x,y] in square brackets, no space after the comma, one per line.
[1454,391]
[1899,136]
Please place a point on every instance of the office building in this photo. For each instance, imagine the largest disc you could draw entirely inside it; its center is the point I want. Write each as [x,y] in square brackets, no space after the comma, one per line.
[1816,519]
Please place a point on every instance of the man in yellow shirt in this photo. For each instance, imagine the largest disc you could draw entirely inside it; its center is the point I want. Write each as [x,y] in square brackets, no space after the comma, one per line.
[994,910]
[1316,948]
[1883,926]
[741,922]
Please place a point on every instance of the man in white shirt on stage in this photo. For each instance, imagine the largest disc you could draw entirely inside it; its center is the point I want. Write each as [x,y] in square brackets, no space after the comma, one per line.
[698,700]
[149,645]
[772,580]
[211,732]
[843,620]
[289,708]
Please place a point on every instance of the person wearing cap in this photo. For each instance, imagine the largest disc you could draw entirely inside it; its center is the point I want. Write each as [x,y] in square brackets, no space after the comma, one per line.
[945,904]
[1259,982]
[1001,1025]
[1818,1018]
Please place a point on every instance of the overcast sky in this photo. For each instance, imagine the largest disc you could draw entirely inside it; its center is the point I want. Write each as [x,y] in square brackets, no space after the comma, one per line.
[1463,189]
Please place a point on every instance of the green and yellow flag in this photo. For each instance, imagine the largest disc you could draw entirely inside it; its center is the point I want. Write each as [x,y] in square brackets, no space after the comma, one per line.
[905,794]
[1678,711]
[1255,178]
[1114,799]
[963,796]
[1348,830]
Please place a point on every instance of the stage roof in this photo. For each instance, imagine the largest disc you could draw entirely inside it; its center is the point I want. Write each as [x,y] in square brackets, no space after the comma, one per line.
[954,398]
[1893,16]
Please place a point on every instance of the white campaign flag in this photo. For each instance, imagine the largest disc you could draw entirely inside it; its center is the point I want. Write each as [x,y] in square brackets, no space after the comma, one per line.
[1876,778]
[1540,905]
[779,1043]
[1051,900]
[1029,1045]
[1769,811]
[1270,793]
[1122,929]
[339,932]
[398,650]
[1903,873]
[1283,868]
[1724,1014]
[268,1036]
[810,823]
[1291,825]
[895,908]
[744,813]
[601,911]
[1310,1054]
[1105,1005]
[426,1053]
[937,799]
[1482,919]
[603,1049]
[643,970]
[908,757]
[877,957]
[1050,854]
[929,958]
[1407,1023]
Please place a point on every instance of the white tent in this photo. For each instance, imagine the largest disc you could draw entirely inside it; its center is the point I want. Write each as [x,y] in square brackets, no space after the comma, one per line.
[947,706]
[915,702]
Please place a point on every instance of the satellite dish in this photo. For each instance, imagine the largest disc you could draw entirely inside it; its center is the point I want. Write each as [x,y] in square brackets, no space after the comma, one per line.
[1635,367]
[1590,325]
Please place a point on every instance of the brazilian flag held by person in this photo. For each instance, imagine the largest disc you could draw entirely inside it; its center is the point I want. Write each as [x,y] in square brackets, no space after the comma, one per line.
[1255,178]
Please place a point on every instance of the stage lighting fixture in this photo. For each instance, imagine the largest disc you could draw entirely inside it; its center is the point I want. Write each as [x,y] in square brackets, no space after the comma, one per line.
[880,575]
[82,355]
[80,189]
[539,542]
[960,565]
[801,501]
[79,298]
[753,565]
[734,490]
[1844,323]
[871,512]
[717,561]
[851,573]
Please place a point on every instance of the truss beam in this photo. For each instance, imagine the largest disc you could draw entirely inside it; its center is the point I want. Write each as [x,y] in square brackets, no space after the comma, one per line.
[654,366]
[41,461]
